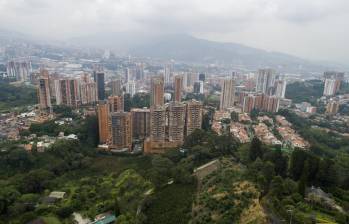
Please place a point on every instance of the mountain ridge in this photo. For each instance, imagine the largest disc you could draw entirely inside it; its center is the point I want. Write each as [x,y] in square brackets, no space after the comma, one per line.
[186,48]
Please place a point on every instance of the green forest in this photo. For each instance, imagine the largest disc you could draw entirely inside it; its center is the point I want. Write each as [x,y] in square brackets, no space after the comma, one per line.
[13,96]
[308,91]
[254,183]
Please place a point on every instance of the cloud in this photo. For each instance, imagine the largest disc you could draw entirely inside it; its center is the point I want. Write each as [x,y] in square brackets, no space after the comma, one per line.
[161,15]
[309,10]
[218,19]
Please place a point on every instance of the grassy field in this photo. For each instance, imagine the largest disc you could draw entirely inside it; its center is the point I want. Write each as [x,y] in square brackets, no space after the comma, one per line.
[170,204]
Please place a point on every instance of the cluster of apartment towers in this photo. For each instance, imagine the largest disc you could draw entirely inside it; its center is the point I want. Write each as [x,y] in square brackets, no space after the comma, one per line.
[160,127]
[69,91]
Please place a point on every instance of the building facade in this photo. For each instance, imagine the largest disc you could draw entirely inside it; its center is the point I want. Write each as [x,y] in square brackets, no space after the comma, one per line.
[44,91]
[178,88]
[121,130]
[177,112]
[157,92]
[265,81]
[193,116]
[227,98]
[116,103]
[140,123]
[158,124]
[103,122]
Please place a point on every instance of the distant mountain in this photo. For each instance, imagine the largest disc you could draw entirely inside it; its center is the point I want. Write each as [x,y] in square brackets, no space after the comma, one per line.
[187,48]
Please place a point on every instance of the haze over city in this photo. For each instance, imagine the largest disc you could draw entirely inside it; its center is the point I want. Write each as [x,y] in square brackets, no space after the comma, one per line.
[312,29]
[174,112]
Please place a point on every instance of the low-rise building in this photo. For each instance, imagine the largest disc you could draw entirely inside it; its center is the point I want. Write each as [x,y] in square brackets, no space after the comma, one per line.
[265,135]
[238,130]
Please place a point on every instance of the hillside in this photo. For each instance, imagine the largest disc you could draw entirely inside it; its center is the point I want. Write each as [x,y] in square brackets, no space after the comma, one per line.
[186,48]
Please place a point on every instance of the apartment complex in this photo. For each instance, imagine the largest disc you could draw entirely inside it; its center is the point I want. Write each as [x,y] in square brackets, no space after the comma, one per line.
[228,94]
[261,102]
[44,91]
[120,130]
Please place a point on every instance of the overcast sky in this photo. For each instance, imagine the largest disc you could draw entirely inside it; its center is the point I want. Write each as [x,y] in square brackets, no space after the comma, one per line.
[312,29]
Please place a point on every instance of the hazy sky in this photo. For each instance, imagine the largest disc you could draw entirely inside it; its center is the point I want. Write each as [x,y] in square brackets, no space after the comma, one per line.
[313,29]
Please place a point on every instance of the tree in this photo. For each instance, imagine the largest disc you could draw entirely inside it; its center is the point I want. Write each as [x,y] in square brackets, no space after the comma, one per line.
[161,170]
[298,158]
[17,159]
[197,137]
[225,145]
[327,175]
[140,100]
[63,111]
[36,181]
[64,212]
[280,161]
[277,187]
[268,171]
[130,191]
[255,149]
[8,195]
[254,114]
[162,164]
[88,131]
[302,185]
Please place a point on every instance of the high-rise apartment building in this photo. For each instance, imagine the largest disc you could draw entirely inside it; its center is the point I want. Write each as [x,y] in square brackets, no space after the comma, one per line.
[140,123]
[140,71]
[185,81]
[67,92]
[167,74]
[228,94]
[44,91]
[88,90]
[261,102]
[121,130]
[177,112]
[193,116]
[158,124]
[19,70]
[99,79]
[202,77]
[196,88]
[201,87]
[157,91]
[265,81]
[131,88]
[53,77]
[332,107]
[280,88]
[178,88]
[331,87]
[192,77]
[130,74]
[332,82]
[116,87]
[103,122]
[116,103]
[271,104]
[248,103]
